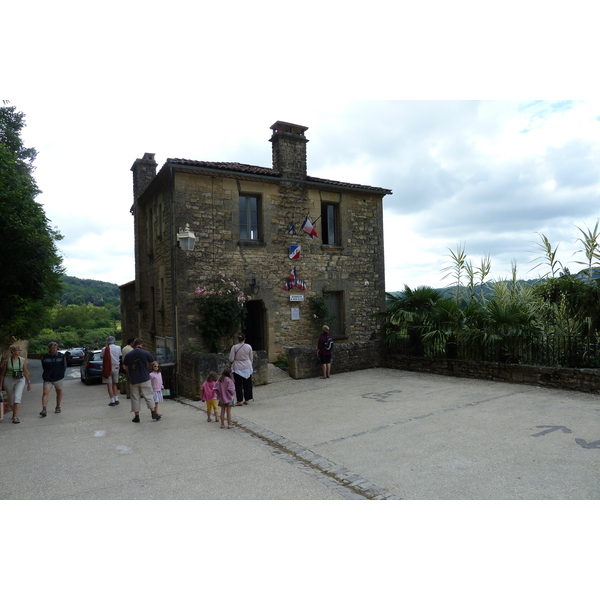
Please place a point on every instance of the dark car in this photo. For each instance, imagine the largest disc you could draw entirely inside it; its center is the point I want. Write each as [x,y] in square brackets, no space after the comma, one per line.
[91,369]
[75,356]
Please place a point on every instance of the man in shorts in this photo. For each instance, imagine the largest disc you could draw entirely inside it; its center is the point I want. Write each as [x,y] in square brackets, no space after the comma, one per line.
[138,364]
[54,365]
[112,381]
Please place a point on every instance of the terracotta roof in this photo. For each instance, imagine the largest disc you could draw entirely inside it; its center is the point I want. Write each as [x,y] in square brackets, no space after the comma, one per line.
[264,171]
[224,166]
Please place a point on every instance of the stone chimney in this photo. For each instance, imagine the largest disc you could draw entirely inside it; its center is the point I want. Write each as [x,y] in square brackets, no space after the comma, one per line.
[289,149]
[144,171]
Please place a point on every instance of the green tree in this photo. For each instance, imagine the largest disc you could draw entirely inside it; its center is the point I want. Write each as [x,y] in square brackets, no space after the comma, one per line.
[222,313]
[413,313]
[82,317]
[32,266]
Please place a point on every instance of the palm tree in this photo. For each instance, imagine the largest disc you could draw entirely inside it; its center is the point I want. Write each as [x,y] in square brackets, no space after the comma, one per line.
[408,315]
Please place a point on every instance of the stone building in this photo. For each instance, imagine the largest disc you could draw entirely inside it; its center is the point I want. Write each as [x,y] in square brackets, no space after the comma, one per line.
[248,225]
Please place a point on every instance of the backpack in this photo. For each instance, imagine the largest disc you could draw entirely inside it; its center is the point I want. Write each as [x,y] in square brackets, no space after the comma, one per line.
[329,343]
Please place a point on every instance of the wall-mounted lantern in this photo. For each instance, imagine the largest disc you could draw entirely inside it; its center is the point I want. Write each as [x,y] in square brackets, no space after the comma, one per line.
[254,287]
[186,238]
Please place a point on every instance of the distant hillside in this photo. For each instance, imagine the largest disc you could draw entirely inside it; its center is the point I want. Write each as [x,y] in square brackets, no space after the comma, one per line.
[89,291]
[487,287]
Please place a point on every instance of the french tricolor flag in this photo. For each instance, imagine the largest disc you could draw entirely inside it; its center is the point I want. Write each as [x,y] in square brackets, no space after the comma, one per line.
[308,228]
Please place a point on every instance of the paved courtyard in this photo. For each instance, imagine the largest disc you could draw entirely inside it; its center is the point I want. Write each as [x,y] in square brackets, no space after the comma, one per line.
[374,434]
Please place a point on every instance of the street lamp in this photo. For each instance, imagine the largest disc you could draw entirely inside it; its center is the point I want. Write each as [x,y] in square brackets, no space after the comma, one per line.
[186,238]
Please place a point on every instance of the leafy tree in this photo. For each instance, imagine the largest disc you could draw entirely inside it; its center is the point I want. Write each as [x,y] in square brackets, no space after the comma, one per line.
[32,265]
[223,313]
[89,291]
[411,313]
[82,317]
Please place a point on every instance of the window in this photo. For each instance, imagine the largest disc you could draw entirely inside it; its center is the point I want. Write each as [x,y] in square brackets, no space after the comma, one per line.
[165,349]
[330,224]
[150,231]
[249,207]
[334,303]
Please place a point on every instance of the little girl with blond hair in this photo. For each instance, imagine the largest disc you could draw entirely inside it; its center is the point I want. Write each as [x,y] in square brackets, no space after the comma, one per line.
[209,395]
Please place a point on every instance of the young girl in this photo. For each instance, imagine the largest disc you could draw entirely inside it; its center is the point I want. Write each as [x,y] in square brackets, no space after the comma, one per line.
[157,387]
[209,395]
[225,392]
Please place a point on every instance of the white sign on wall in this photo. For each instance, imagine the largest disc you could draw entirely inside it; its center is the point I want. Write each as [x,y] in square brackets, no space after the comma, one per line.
[297,298]
[295,314]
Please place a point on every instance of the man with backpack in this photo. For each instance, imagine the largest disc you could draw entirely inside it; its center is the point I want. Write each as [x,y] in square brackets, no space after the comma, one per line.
[324,351]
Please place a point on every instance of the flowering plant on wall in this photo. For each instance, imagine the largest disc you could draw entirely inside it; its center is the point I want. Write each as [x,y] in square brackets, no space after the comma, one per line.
[223,313]
[320,313]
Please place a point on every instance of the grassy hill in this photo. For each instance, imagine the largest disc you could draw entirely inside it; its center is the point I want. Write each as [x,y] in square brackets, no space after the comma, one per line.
[89,291]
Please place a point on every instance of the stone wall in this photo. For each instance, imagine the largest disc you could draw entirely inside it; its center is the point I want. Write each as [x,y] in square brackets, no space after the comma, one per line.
[129,312]
[346,357]
[355,268]
[581,380]
[195,366]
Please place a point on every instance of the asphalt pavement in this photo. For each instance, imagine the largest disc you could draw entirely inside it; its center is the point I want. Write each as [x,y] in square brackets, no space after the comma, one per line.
[373,434]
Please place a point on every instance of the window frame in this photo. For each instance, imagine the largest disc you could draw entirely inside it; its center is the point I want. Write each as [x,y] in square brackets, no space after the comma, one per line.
[326,229]
[337,324]
[247,212]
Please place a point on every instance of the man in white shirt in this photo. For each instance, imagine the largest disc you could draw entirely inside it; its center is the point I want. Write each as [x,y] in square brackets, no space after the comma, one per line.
[111,379]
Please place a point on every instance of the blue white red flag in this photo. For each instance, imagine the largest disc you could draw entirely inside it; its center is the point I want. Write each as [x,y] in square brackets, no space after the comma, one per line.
[290,283]
[308,228]
[295,252]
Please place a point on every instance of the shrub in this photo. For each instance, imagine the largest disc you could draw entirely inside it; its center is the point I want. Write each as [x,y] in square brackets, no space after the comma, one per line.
[222,312]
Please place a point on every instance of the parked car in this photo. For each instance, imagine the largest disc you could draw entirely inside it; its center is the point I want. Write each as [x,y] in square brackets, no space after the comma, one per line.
[91,368]
[75,356]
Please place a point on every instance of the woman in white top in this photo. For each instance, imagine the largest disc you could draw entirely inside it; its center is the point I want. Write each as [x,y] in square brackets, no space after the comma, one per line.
[240,358]
[14,374]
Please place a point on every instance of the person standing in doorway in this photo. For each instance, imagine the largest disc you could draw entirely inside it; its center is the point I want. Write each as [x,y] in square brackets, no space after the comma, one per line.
[240,358]
[54,366]
[14,374]
[324,352]
[138,363]
[111,379]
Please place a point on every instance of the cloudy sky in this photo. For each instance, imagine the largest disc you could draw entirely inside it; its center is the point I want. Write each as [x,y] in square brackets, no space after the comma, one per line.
[383,100]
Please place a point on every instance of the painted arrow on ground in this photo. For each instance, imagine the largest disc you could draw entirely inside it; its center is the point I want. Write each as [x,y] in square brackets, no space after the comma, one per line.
[550,429]
[587,445]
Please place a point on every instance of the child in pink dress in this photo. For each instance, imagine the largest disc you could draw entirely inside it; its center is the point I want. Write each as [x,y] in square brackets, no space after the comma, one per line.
[225,393]
[209,395]
[157,386]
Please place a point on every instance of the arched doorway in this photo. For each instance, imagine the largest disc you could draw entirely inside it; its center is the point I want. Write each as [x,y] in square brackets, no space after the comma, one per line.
[255,325]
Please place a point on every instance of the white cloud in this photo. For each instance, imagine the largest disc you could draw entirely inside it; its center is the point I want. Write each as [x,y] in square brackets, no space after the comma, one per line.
[107,84]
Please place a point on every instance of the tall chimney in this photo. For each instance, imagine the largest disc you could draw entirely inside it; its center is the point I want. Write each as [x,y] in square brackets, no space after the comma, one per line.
[144,171]
[289,149]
